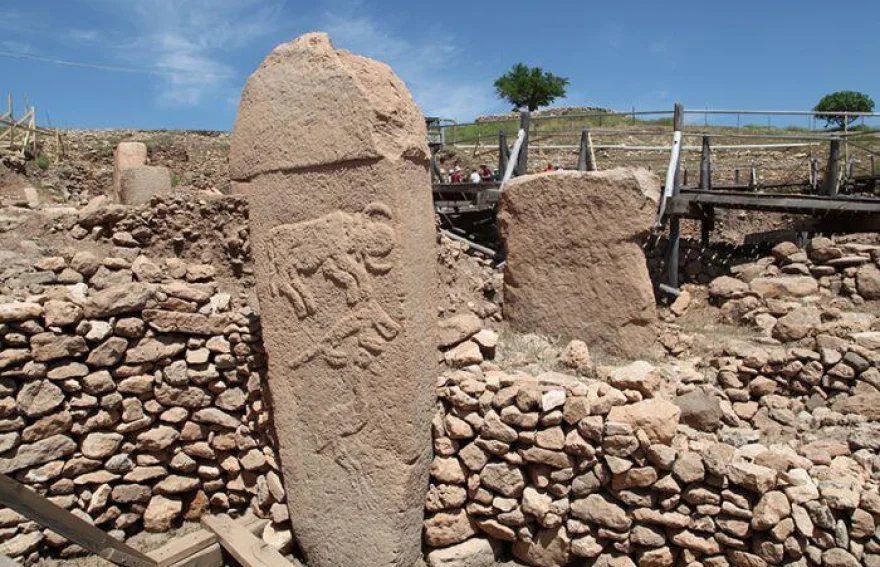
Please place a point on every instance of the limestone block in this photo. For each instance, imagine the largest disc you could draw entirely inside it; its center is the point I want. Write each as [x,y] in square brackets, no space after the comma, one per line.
[331,152]
[575,265]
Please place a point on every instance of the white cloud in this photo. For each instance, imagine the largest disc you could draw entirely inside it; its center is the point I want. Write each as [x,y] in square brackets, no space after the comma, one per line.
[189,41]
[430,67]
[16,46]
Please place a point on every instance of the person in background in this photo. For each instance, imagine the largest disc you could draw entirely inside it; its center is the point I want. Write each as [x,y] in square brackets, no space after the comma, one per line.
[548,168]
[486,175]
[475,177]
[457,176]
[559,167]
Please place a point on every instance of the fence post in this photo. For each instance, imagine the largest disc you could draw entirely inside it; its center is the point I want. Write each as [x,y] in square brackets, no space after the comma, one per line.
[832,172]
[706,166]
[522,163]
[586,157]
[814,174]
[873,169]
[503,152]
[736,176]
[672,251]
[753,178]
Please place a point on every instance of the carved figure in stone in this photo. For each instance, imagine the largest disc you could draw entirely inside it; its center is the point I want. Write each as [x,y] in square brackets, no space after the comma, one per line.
[345,248]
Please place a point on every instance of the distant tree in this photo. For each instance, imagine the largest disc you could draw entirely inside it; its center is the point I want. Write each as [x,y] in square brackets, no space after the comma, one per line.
[529,87]
[843,101]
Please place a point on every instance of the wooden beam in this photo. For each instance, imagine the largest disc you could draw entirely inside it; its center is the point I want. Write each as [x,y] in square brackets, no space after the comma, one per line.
[503,152]
[244,546]
[200,548]
[49,515]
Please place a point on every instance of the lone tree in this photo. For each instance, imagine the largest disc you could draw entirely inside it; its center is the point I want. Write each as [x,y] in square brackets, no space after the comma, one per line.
[529,87]
[843,101]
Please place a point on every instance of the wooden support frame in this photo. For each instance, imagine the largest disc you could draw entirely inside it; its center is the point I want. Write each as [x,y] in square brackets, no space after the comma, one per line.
[246,548]
[200,548]
[503,152]
[48,514]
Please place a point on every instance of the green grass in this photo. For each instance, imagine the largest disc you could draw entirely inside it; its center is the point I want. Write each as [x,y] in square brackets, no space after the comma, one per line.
[175,180]
[42,162]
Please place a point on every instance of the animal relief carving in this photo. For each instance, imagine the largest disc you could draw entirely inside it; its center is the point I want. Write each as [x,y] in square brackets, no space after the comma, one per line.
[346,250]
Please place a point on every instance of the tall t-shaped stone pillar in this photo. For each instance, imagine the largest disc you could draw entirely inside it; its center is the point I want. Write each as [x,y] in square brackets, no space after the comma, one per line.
[332,153]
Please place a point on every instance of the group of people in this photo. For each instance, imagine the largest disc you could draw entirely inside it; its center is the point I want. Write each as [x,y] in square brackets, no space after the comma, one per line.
[481,175]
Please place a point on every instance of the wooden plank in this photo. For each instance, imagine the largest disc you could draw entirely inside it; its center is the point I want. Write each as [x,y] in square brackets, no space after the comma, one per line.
[801,204]
[196,548]
[244,546]
[34,507]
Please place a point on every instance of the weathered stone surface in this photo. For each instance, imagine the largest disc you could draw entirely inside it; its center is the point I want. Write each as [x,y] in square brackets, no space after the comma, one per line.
[37,453]
[798,324]
[458,328]
[19,311]
[475,552]
[784,286]
[575,266]
[700,410]
[49,346]
[161,513]
[186,323]
[138,185]
[448,528]
[868,281]
[658,418]
[353,265]
[549,548]
[118,300]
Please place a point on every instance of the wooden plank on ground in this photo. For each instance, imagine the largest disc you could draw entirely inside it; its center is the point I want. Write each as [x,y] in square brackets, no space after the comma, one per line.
[198,547]
[38,509]
[245,547]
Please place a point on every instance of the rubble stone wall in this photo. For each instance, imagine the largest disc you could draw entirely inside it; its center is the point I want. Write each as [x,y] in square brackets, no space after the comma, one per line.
[131,393]
[561,470]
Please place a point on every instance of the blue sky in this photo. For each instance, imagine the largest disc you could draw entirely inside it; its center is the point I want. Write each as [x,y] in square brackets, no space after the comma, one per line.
[182,63]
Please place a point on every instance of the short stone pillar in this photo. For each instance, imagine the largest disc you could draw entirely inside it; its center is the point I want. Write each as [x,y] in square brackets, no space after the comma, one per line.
[575,264]
[127,156]
[331,151]
[135,182]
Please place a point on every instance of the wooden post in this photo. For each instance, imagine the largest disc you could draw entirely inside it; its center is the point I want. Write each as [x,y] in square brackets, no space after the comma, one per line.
[706,166]
[522,163]
[814,174]
[586,155]
[832,172]
[684,176]
[503,152]
[736,176]
[850,167]
[753,178]
[11,124]
[674,244]
[873,164]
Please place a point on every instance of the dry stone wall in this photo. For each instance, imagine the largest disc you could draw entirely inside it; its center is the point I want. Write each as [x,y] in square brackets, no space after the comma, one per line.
[131,394]
[560,470]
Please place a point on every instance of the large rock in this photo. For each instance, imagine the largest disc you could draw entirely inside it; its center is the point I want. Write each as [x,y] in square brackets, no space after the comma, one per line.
[700,410]
[784,286]
[117,300]
[658,418]
[42,451]
[139,184]
[800,323]
[868,281]
[331,151]
[575,265]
